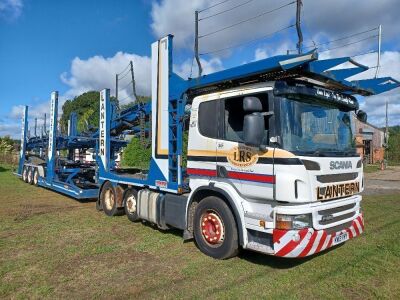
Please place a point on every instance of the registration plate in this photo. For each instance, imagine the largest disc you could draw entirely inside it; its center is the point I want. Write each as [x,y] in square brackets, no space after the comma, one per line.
[340,238]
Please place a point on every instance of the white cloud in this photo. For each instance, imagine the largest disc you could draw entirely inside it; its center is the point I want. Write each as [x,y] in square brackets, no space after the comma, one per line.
[269,51]
[98,72]
[340,17]
[177,17]
[10,129]
[10,9]
[11,125]
[35,111]
[375,105]
[189,68]
[260,54]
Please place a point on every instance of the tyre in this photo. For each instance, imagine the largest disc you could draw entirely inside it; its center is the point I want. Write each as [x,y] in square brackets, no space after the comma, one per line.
[108,200]
[130,204]
[98,205]
[36,177]
[29,178]
[24,173]
[215,229]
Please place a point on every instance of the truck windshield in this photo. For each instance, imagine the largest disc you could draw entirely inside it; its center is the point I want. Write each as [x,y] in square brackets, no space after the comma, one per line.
[315,129]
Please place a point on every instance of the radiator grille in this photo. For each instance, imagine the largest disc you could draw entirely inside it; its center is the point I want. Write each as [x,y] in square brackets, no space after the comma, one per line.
[328,218]
[337,177]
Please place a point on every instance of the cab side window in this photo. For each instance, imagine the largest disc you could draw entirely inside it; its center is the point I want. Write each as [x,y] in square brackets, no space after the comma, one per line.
[224,118]
[208,117]
[234,113]
[234,117]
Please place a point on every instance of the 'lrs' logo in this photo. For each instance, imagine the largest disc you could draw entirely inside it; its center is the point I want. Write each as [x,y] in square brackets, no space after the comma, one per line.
[242,156]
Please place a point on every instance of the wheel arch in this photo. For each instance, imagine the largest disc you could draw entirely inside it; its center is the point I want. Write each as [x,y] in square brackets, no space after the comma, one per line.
[206,191]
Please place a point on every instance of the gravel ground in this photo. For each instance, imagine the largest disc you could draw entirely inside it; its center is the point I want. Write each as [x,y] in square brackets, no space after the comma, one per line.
[383,182]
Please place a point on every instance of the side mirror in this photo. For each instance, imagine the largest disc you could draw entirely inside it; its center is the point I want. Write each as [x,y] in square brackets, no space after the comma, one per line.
[252,104]
[362,116]
[253,129]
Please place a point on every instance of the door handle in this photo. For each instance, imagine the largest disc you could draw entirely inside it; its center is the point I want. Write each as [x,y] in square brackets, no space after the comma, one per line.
[222,172]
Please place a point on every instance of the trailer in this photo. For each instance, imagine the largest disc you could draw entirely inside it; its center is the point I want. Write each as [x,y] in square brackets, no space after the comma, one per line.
[270,159]
[41,164]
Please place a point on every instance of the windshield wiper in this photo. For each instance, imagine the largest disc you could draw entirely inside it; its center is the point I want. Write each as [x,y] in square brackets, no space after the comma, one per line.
[327,152]
[318,153]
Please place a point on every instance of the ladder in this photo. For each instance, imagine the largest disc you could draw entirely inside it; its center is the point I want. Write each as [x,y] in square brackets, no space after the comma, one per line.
[175,119]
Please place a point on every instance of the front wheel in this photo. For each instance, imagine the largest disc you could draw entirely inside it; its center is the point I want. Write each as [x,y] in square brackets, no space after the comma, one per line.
[130,204]
[215,229]
[108,199]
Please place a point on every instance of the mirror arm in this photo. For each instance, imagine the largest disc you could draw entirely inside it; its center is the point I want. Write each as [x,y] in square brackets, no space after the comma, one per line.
[267,113]
[275,140]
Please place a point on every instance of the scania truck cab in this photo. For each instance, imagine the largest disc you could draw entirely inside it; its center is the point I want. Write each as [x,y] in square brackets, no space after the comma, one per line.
[284,153]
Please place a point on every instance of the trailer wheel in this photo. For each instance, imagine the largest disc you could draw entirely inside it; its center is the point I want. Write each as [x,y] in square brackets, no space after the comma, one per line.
[109,200]
[30,175]
[215,229]
[36,176]
[25,173]
[130,204]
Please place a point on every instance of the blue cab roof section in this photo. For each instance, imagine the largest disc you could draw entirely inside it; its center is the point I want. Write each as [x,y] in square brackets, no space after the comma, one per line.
[305,65]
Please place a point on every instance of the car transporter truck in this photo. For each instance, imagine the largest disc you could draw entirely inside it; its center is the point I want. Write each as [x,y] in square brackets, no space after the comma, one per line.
[260,156]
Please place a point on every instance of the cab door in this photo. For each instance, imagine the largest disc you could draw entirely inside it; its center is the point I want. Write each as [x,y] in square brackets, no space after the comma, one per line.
[228,142]
[247,168]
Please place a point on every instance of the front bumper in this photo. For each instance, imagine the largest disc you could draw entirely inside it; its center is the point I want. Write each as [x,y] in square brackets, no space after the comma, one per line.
[308,241]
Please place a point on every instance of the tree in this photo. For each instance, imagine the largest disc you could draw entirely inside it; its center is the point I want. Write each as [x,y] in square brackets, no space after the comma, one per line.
[394,145]
[6,144]
[143,99]
[86,106]
[135,155]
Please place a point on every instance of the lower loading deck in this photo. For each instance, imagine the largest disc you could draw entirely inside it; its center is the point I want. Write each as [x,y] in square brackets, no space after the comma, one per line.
[143,178]
[132,173]
[86,192]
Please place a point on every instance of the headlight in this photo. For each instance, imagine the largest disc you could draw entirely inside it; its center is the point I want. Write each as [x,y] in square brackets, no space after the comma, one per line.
[293,221]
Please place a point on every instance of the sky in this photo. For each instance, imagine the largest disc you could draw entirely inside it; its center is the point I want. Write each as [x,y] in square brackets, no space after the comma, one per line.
[79,45]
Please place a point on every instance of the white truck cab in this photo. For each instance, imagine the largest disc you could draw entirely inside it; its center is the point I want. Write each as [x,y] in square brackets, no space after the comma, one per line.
[295,191]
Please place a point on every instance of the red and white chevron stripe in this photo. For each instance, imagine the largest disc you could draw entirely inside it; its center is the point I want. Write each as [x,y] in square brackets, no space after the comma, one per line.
[305,242]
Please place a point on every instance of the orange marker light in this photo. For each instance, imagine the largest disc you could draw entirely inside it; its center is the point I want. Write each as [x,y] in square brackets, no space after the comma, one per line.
[284,222]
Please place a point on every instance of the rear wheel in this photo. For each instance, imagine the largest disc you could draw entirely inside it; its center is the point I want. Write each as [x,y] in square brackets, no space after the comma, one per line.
[215,229]
[108,200]
[36,176]
[98,205]
[25,173]
[130,204]
[30,175]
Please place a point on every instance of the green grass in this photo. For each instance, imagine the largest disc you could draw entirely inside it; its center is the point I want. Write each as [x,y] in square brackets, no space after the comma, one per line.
[371,168]
[52,246]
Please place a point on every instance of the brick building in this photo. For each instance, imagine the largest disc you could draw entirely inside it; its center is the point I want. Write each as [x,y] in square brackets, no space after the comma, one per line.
[369,142]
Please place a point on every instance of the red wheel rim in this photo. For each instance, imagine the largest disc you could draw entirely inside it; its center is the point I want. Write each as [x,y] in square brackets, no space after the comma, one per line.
[212,228]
